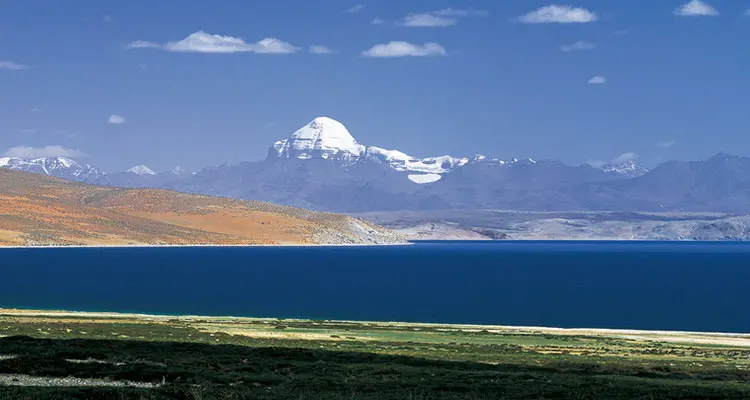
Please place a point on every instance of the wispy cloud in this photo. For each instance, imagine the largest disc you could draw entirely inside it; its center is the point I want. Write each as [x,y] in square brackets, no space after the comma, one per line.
[116,119]
[440,18]
[377,21]
[426,20]
[404,49]
[143,44]
[578,46]
[624,157]
[621,32]
[559,14]
[665,144]
[597,80]
[28,152]
[321,50]
[457,12]
[12,66]
[696,8]
[142,66]
[27,131]
[107,18]
[202,42]
[355,9]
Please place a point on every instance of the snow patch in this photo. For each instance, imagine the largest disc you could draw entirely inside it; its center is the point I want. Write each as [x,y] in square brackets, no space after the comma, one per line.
[424,178]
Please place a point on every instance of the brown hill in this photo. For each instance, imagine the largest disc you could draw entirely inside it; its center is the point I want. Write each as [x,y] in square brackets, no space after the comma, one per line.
[39,210]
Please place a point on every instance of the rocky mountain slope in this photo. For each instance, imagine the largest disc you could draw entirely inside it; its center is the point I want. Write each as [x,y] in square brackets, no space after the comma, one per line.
[40,210]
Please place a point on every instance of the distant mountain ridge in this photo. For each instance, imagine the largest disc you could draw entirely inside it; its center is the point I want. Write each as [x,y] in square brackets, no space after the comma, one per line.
[323,167]
[60,167]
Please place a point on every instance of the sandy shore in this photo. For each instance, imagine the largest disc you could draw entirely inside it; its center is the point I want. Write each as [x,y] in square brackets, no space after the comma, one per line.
[687,337]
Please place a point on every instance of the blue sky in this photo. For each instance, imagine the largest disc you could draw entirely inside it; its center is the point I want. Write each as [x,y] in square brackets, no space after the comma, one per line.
[504,78]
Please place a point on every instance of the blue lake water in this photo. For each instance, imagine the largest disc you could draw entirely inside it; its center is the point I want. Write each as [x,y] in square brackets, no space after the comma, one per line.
[638,285]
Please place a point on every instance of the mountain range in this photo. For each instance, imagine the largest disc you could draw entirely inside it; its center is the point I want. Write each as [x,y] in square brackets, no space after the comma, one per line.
[323,167]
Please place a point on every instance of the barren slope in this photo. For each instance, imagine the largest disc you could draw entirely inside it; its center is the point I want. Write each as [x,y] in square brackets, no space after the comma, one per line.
[39,210]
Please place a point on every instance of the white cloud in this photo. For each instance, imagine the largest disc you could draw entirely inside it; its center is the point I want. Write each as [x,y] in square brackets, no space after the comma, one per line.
[27,152]
[116,119]
[321,50]
[377,21]
[142,66]
[355,9]
[107,18]
[426,20]
[35,109]
[467,12]
[621,32]
[624,157]
[404,49]
[202,42]
[597,80]
[559,14]
[696,8]
[665,144]
[596,163]
[12,65]
[578,46]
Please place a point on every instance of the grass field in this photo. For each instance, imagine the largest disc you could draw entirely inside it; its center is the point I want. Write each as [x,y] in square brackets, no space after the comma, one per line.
[233,358]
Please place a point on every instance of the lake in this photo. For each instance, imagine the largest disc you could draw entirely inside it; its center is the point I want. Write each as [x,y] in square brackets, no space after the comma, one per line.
[636,285]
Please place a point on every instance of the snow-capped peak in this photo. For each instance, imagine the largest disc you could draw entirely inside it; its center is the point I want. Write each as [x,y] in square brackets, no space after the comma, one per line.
[323,138]
[629,168]
[141,170]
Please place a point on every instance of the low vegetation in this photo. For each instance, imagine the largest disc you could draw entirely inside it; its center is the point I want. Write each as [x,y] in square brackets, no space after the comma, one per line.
[220,358]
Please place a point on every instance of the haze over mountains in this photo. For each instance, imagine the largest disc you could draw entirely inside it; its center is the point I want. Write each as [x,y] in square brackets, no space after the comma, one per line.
[323,167]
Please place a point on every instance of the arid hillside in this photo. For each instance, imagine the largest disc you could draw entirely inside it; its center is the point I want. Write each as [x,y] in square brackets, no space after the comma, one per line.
[36,210]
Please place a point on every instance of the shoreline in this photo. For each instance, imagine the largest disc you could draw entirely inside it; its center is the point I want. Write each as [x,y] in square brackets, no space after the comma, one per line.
[127,246]
[674,336]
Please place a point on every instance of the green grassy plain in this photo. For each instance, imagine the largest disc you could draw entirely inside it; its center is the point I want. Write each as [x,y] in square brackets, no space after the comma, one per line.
[228,358]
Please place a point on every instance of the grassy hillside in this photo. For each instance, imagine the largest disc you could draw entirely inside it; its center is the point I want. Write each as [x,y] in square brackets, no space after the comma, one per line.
[49,355]
[39,210]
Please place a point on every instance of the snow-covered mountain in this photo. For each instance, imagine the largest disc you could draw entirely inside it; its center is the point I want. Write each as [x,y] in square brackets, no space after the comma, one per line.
[328,139]
[60,167]
[141,170]
[628,169]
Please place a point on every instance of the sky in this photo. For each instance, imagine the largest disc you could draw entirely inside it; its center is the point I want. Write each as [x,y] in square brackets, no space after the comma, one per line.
[199,83]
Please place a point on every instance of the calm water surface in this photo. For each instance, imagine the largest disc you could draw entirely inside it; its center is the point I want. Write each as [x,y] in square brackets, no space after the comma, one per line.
[657,285]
